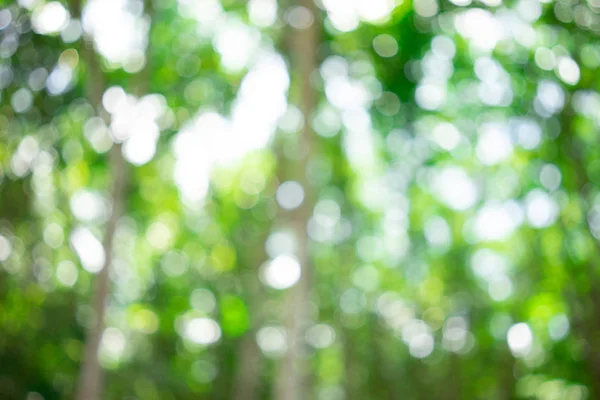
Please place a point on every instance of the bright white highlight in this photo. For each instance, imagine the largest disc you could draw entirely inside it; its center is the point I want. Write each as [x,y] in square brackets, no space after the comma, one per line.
[455,188]
[542,210]
[520,339]
[89,249]
[5,248]
[481,27]
[446,135]
[279,243]
[123,40]
[87,206]
[345,15]
[437,232]
[417,335]
[51,18]
[494,144]
[113,343]
[203,331]
[262,13]
[497,221]
[290,195]
[492,268]
[135,122]
[430,96]
[568,70]
[236,43]
[550,98]
[282,272]
[212,139]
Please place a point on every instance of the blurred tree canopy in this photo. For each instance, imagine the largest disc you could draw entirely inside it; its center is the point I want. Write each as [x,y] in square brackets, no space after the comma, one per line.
[299,199]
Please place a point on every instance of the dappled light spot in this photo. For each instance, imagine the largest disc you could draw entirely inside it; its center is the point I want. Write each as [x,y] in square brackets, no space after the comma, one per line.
[21,100]
[320,336]
[353,301]
[51,18]
[494,144]
[568,70]
[280,243]
[5,18]
[237,44]
[66,273]
[53,235]
[550,177]
[366,278]
[135,123]
[455,188]
[542,210]
[550,98]
[456,336]
[262,13]
[89,249]
[299,17]
[437,232]
[481,27]
[203,331]
[174,263]
[446,135]
[159,235]
[426,8]
[416,334]
[88,206]
[72,31]
[496,221]
[113,346]
[272,341]
[345,16]
[430,96]
[124,40]
[5,248]
[282,272]
[558,327]
[290,195]
[385,45]
[520,339]
[203,300]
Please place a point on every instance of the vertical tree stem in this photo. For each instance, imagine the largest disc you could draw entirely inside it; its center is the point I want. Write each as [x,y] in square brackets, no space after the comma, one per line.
[291,381]
[90,385]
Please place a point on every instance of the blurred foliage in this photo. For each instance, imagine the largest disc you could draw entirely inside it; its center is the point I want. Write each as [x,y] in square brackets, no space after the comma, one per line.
[455,165]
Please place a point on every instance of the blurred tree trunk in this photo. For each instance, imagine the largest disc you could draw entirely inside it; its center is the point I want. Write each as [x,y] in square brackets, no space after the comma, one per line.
[506,380]
[249,370]
[248,377]
[90,380]
[90,385]
[291,380]
[585,305]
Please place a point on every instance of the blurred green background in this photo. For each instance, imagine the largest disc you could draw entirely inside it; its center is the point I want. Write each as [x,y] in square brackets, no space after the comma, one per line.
[290,200]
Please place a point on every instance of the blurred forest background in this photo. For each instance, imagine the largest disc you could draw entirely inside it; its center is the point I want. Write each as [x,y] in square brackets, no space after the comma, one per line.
[298,199]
